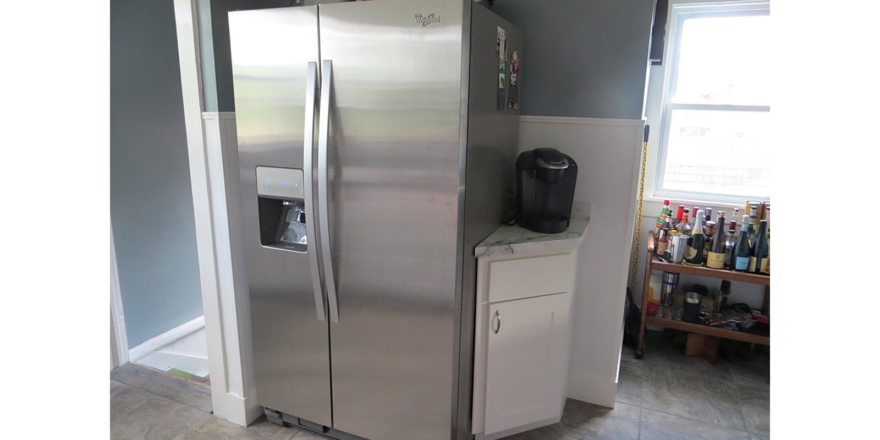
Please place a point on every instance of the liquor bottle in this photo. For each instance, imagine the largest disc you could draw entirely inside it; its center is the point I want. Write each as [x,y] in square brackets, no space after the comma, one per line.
[769,246]
[721,297]
[754,210]
[715,259]
[760,252]
[741,250]
[753,216]
[664,213]
[729,245]
[708,214]
[707,245]
[693,217]
[708,232]
[679,215]
[662,240]
[684,228]
[733,221]
[693,256]
[719,228]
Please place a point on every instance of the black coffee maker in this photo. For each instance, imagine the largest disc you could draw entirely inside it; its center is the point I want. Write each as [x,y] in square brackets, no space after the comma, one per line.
[545,181]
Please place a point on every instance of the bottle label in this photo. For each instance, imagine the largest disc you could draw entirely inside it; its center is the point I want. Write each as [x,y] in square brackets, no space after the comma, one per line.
[661,248]
[715,261]
[690,253]
[742,263]
[753,263]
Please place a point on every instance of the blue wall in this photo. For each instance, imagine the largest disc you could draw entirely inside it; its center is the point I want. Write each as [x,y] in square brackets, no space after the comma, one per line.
[150,197]
[582,58]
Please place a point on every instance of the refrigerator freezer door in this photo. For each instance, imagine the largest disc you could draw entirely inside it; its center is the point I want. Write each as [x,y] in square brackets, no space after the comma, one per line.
[271,50]
[394,172]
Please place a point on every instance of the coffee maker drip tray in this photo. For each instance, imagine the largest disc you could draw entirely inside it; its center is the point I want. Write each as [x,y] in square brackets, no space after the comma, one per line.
[550,225]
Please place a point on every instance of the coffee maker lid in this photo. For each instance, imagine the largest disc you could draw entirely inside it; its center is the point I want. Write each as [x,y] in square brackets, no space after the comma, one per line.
[550,158]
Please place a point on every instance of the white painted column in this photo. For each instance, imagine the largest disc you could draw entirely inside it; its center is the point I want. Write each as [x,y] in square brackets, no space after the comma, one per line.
[608,153]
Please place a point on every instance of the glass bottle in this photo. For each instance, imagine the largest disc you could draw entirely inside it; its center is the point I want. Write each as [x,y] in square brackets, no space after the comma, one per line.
[679,215]
[753,217]
[769,247]
[760,252]
[729,244]
[693,217]
[741,250]
[715,259]
[733,222]
[664,214]
[708,214]
[684,227]
[721,297]
[694,254]
[662,240]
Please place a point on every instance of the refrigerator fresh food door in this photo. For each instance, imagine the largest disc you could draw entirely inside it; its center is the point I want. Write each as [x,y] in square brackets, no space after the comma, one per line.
[271,52]
[393,153]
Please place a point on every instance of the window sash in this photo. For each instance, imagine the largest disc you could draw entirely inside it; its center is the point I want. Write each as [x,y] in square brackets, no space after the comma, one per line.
[679,12]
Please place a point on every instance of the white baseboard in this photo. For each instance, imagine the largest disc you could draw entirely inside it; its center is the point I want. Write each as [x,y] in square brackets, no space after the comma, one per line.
[242,410]
[592,388]
[166,338]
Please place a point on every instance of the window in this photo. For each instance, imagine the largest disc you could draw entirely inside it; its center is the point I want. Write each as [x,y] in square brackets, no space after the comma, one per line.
[715,129]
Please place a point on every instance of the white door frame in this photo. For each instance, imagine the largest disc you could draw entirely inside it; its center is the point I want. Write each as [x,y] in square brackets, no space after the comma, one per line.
[231,394]
[118,336]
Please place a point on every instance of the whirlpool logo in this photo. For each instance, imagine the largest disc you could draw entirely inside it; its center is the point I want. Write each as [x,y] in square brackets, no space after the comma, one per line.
[427,20]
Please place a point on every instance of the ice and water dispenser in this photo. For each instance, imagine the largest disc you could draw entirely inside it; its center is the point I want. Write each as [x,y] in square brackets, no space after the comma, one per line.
[282,208]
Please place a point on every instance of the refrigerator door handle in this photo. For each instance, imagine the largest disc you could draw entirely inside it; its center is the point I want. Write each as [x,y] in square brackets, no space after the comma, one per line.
[323,190]
[308,153]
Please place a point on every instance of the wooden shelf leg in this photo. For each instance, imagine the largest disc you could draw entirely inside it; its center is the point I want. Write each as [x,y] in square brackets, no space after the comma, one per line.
[640,348]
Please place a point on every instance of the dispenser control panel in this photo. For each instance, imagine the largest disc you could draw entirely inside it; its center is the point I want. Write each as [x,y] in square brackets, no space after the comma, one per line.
[283,183]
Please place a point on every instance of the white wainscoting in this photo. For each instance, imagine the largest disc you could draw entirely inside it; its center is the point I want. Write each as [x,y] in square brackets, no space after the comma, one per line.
[608,154]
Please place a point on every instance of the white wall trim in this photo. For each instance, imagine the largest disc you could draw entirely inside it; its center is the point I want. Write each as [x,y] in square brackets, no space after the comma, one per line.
[118,335]
[585,121]
[191,90]
[222,157]
[166,338]
[243,408]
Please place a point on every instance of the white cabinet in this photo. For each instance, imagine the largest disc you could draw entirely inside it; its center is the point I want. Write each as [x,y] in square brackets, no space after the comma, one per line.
[526,362]
[521,349]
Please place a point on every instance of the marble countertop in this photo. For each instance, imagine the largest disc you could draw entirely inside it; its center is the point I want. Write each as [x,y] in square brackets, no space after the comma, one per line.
[516,240]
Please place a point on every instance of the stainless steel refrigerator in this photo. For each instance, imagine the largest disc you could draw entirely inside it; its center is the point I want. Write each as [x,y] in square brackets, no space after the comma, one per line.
[376,145]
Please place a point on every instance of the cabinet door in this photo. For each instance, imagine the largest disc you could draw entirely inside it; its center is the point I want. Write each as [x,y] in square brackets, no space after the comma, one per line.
[526,361]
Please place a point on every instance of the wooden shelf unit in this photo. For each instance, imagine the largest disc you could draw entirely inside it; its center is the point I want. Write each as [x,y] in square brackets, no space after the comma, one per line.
[653,264]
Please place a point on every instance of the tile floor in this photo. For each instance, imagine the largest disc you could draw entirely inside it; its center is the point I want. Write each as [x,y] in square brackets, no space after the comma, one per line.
[663,396]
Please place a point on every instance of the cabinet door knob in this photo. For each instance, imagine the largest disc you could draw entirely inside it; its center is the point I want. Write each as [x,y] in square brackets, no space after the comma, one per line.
[498,318]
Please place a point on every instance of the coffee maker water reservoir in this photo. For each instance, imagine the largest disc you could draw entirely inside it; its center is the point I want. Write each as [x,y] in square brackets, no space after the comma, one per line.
[545,180]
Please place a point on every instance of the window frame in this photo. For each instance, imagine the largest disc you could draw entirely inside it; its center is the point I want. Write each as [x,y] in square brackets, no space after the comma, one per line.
[680,11]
